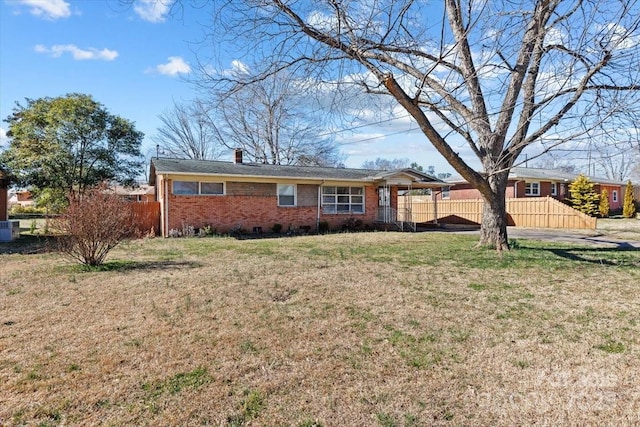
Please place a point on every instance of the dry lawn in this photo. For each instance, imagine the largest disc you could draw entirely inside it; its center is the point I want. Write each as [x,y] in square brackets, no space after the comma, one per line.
[383,329]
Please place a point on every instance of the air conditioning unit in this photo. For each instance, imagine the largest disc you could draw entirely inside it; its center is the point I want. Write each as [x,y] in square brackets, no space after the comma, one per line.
[9,230]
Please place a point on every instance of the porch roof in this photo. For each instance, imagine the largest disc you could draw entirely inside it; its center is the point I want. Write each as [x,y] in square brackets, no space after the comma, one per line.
[161,166]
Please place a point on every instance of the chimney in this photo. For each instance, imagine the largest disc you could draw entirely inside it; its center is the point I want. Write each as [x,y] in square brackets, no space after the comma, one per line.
[238,156]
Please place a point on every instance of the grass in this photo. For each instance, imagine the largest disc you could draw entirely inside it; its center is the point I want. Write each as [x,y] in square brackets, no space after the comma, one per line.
[354,329]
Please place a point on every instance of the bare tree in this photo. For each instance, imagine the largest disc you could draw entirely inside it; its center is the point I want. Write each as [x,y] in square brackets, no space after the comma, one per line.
[272,119]
[616,159]
[187,132]
[496,77]
[635,170]
[386,164]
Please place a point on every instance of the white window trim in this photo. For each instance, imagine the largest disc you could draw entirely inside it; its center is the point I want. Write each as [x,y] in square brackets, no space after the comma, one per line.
[295,195]
[350,211]
[199,193]
[224,188]
[614,196]
[530,185]
[446,192]
[554,188]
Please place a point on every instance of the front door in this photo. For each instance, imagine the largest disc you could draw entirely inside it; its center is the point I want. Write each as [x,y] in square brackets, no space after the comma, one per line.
[384,204]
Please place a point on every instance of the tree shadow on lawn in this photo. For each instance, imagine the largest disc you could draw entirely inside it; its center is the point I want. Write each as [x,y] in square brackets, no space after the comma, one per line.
[623,255]
[127,265]
[33,245]
[29,244]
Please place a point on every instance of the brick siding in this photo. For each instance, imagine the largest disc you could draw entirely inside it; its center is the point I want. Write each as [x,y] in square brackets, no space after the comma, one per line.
[249,205]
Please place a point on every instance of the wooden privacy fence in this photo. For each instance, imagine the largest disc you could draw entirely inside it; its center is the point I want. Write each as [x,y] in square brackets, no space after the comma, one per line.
[146,216]
[542,212]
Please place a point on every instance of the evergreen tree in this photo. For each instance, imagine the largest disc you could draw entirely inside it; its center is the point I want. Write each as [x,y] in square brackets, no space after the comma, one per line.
[583,196]
[629,207]
[604,203]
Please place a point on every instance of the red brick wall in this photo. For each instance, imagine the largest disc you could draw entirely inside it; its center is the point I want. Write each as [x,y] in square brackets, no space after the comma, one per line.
[461,192]
[467,192]
[514,189]
[255,205]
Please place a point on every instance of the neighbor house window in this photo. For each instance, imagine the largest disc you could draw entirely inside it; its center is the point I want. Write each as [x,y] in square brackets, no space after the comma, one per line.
[343,200]
[532,189]
[446,192]
[614,196]
[286,195]
[196,188]
[554,189]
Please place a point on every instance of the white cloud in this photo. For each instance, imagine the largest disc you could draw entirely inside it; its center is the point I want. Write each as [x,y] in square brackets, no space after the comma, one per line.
[47,9]
[4,140]
[322,21]
[153,10]
[175,66]
[619,37]
[239,67]
[58,50]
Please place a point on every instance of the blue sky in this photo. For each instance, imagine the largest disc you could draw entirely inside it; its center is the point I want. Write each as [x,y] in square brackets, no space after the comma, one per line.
[136,61]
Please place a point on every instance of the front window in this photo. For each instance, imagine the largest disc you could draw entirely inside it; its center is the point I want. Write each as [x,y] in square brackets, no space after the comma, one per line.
[185,187]
[196,188]
[554,189]
[286,195]
[343,200]
[532,189]
[614,196]
[211,188]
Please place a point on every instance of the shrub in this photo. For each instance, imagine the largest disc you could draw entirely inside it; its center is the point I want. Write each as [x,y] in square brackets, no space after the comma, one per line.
[94,223]
[323,227]
[604,203]
[207,230]
[628,207]
[352,224]
[17,209]
[583,196]
[277,228]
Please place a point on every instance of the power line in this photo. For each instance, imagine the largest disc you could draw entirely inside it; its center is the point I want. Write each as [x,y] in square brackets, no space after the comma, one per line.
[378,137]
[334,132]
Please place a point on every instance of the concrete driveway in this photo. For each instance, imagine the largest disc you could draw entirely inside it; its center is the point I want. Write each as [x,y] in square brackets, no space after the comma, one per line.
[600,238]
[591,237]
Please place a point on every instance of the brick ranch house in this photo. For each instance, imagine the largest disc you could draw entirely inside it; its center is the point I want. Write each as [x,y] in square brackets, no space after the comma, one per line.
[534,182]
[255,197]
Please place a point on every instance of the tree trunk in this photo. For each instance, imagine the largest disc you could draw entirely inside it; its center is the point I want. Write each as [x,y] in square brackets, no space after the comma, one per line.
[493,229]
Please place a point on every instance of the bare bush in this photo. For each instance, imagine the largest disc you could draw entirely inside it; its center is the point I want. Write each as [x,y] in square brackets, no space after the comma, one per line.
[93,224]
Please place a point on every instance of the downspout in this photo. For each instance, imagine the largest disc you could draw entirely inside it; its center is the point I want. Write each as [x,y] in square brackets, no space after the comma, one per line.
[515,189]
[434,196]
[319,201]
[165,207]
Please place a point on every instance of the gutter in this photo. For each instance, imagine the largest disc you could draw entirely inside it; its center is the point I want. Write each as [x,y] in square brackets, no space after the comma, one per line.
[515,188]
[165,206]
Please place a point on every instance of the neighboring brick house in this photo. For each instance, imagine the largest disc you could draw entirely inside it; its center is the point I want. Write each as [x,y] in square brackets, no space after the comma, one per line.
[536,182]
[22,198]
[252,196]
[139,193]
